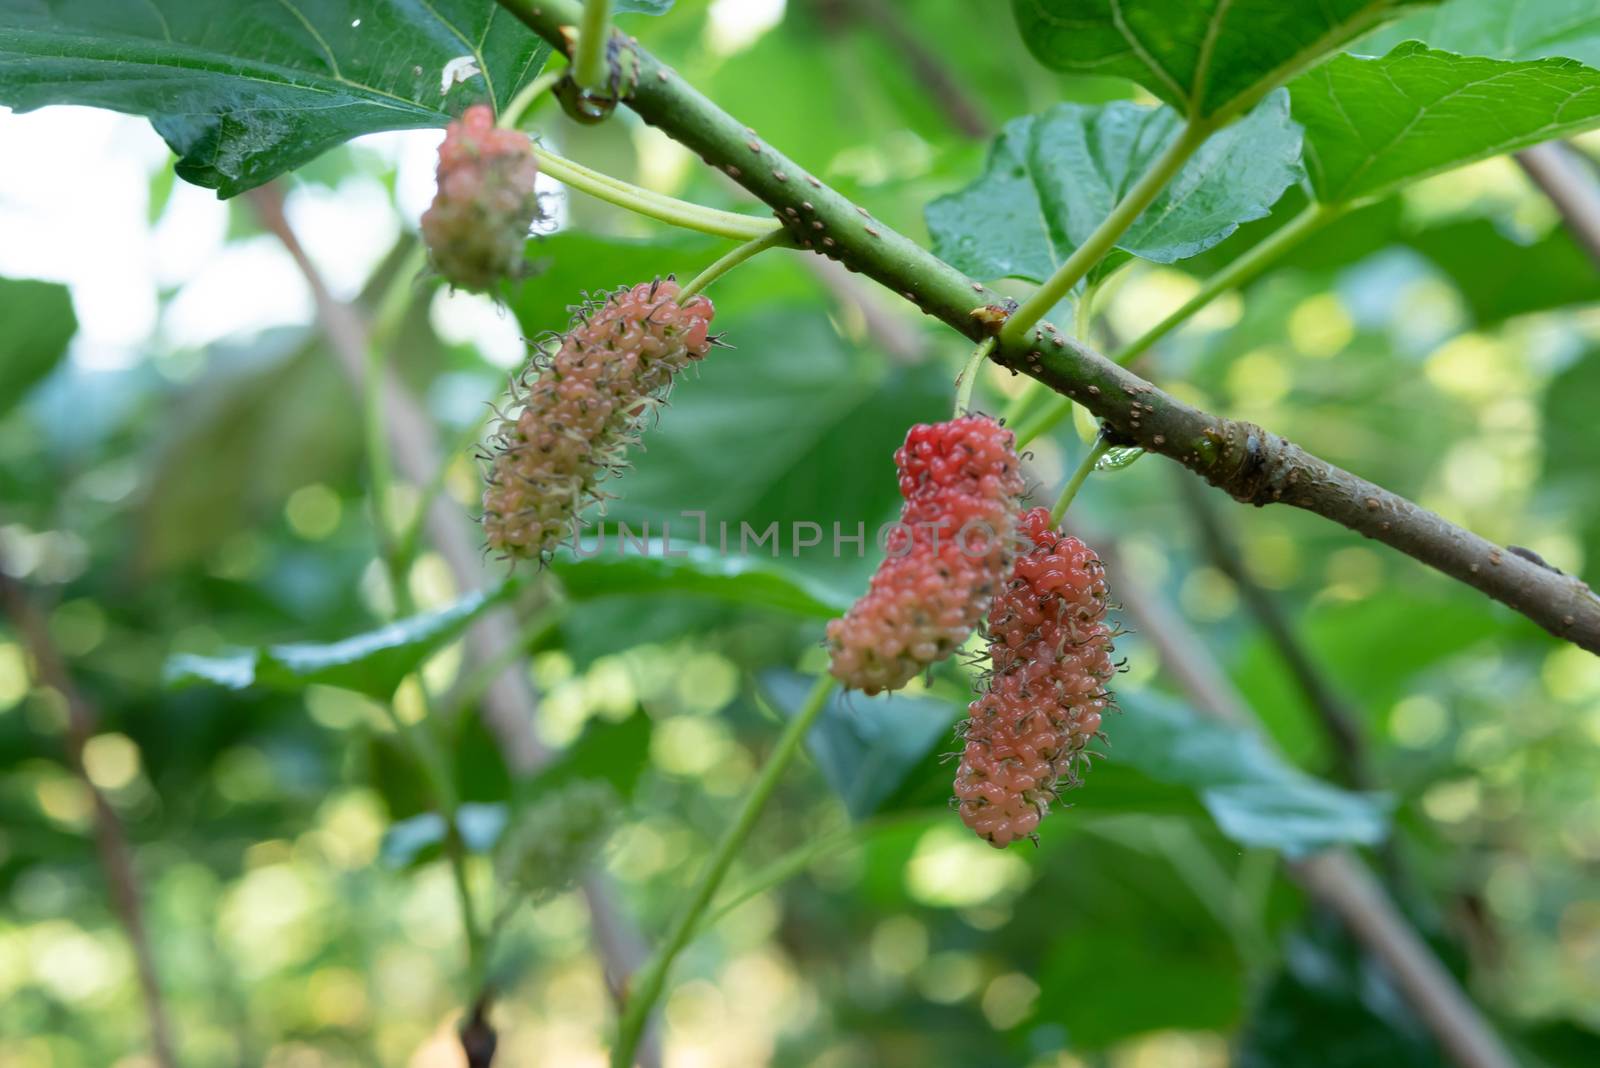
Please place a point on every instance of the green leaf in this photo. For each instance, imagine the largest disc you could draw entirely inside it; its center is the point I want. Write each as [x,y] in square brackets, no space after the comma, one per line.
[38,322]
[1255,797]
[1373,125]
[1525,29]
[1209,58]
[866,746]
[1051,179]
[373,663]
[618,569]
[643,7]
[246,91]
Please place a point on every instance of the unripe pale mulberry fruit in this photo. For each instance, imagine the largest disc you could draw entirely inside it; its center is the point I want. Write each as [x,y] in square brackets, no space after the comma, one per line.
[576,411]
[485,205]
[1050,661]
[947,558]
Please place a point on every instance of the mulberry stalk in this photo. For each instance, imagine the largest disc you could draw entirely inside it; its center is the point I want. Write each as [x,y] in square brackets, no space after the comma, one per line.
[582,409]
[485,205]
[1050,661]
[947,557]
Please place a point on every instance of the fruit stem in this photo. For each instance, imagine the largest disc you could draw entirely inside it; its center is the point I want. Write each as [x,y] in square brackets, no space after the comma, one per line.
[527,96]
[589,67]
[1235,274]
[653,977]
[1105,236]
[1090,458]
[969,375]
[732,259]
[1035,391]
[652,205]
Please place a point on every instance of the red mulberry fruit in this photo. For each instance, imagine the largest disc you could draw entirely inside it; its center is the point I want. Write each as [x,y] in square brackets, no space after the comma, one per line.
[480,217]
[583,408]
[948,556]
[1050,660]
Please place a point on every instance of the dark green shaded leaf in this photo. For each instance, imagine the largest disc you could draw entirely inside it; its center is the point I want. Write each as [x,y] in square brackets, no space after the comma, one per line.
[1499,277]
[373,663]
[1330,1006]
[1051,179]
[642,7]
[1373,125]
[866,746]
[38,322]
[245,91]
[614,752]
[1206,56]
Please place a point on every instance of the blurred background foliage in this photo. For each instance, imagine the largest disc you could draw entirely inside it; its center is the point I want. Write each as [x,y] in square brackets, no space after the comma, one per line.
[182,474]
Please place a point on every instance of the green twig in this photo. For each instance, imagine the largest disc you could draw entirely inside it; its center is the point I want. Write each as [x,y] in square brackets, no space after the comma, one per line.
[1240,271]
[652,205]
[527,96]
[969,375]
[1090,458]
[1105,236]
[589,66]
[651,980]
[778,236]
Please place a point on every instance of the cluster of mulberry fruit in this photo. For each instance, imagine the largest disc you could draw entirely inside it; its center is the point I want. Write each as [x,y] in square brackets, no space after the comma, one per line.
[1050,661]
[572,422]
[947,559]
[485,205]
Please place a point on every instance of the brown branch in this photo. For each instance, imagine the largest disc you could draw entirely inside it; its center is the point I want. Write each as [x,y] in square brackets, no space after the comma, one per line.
[509,702]
[1338,720]
[111,841]
[1570,184]
[1251,464]
[1336,878]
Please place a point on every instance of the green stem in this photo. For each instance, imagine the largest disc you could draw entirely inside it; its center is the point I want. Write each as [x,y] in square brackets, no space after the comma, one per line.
[652,205]
[1240,271]
[517,110]
[732,259]
[1090,458]
[647,990]
[1104,238]
[969,375]
[589,67]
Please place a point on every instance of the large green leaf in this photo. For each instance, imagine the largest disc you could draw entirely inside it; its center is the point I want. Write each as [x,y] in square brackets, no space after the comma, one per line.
[1052,178]
[1505,29]
[866,746]
[1373,125]
[244,91]
[38,324]
[617,568]
[1204,57]
[373,663]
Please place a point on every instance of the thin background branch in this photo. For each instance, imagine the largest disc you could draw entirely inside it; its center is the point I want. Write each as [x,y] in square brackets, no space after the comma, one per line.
[110,839]
[1569,181]
[510,702]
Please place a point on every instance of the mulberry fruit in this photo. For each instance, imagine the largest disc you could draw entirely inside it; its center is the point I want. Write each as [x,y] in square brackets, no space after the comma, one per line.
[1050,661]
[485,205]
[577,415]
[947,557]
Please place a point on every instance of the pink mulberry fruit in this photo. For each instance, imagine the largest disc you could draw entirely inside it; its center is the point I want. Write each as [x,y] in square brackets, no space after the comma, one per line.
[577,415]
[947,558]
[1050,661]
[480,217]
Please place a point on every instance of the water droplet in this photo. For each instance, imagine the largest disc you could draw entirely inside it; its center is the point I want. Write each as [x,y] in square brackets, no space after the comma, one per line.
[1118,458]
